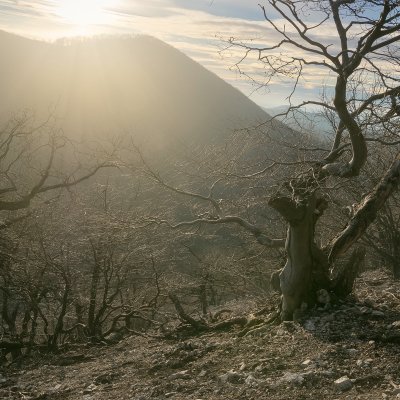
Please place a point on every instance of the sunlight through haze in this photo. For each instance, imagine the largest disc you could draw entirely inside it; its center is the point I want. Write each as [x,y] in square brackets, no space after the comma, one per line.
[84,14]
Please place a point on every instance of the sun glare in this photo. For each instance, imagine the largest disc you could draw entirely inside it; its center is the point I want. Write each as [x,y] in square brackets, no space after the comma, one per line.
[84,14]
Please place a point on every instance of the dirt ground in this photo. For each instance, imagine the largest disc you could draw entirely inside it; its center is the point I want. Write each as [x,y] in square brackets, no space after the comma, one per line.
[349,350]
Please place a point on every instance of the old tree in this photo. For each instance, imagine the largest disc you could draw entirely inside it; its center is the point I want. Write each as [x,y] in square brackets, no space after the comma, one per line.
[354,44]
[365,65]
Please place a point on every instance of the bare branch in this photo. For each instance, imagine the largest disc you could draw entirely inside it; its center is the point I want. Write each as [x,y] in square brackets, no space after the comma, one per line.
[367,211]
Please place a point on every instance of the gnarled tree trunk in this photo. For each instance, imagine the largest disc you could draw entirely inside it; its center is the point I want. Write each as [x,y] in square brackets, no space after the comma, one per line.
[307,269]
[307,265]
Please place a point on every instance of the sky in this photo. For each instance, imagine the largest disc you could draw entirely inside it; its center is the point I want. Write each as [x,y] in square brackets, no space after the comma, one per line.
[199,28]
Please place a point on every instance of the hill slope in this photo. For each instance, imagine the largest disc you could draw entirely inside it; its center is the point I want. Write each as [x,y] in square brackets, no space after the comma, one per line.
[358,340]
[116,84]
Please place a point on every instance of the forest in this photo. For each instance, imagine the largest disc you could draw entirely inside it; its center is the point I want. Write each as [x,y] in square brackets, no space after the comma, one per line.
[159,224]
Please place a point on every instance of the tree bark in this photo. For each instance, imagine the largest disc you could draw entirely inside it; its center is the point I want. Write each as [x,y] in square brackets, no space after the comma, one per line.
[306,264]
[367,211]
[307,267]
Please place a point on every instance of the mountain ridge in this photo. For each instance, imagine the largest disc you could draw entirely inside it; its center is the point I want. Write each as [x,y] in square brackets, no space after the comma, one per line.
[138,84]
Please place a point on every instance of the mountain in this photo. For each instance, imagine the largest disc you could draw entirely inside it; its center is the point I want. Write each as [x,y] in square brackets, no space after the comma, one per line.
[120,84]
[304,120]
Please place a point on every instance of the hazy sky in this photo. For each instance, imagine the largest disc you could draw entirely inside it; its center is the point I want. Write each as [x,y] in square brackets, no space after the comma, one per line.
[193,26]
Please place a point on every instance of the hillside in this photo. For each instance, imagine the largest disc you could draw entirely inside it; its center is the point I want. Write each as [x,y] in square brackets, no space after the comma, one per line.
[355,340]
[117,85]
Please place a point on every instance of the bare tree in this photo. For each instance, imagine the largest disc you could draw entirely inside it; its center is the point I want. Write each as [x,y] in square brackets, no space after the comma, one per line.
[362,60]
[31,162]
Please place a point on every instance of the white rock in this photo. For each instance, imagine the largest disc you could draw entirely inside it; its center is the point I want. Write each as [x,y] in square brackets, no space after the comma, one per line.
[307,363]
[343,383]
[180,375]
[56,388]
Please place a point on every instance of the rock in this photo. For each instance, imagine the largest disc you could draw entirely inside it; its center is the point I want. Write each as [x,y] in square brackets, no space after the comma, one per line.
[308,375]
[378,314]
[259,368]
[56,388]
[180,375]
[343,383]
[328,372]
[395,324]
[352,352]
[251,381]
[202,373]
[309,325]
[293,378]
[231,377]
[103,379]
[307,363]
[90,389]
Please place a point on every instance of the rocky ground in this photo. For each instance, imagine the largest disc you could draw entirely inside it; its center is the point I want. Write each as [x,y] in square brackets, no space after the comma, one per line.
[350,350]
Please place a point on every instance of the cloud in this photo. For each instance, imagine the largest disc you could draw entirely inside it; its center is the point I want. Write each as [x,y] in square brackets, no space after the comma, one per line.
[196,27]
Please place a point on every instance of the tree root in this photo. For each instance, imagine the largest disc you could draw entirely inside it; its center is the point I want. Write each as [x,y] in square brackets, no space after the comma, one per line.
[258,325]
